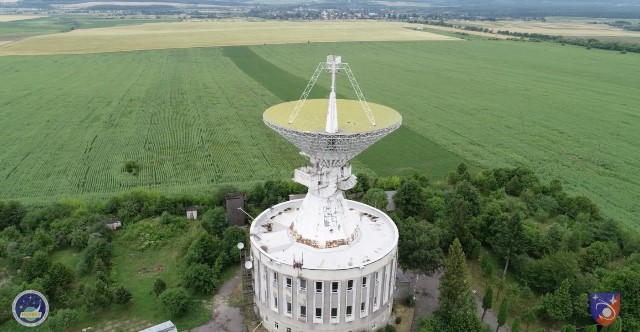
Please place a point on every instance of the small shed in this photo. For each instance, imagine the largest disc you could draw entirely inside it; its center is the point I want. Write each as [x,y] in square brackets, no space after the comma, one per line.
[192,212]
[234,203]
[167,326]
[113,224]
[403,285]
[390,205]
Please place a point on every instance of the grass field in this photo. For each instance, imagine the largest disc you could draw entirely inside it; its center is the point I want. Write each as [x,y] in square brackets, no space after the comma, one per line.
[216,33]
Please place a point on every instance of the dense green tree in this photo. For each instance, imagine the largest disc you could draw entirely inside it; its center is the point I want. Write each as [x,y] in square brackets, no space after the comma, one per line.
[485,181]
[43,240]
[422,179]
[375,197]
[203,250]
[486,227]
[215,221]
[363,183]
[515,327]
[487,301]
[461,174]
[62,319]
[159,286]
[457,308]
[11,213]
[469,194]
[388,183]
[546,274]
[591,328]
[626,280]
[201,279]
[510,240]
[409,200]
[42,217]
[616,326]
[97,248]
[503,313]
[559,304]
[121,295]
[256,195]
[95,294]
[176,301]
[419,249]
[58,278]
[230,239]
[597,254]
[434,208]
[514,186]
[36,266]
[568,328]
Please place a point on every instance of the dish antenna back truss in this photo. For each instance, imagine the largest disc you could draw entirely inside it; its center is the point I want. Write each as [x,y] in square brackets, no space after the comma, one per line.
[333,65]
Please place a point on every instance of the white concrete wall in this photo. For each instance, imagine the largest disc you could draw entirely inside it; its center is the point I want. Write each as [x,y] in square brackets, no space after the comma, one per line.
[377,296]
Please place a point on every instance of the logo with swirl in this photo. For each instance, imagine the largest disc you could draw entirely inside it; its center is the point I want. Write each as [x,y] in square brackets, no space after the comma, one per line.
[605,307]
[30,308]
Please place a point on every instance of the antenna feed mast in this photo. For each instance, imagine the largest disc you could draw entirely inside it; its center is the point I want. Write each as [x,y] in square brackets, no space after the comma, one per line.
[333,65]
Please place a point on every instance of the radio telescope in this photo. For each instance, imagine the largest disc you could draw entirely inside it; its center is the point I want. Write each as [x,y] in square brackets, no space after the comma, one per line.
[309,253]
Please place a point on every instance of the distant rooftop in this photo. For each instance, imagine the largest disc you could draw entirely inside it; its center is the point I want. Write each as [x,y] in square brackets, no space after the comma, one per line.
[378,235]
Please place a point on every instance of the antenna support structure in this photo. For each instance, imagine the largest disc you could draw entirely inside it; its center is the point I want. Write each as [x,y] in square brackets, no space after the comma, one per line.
[333,65]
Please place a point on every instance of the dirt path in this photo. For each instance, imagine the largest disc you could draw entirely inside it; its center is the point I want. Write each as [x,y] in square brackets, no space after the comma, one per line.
[225,318]
[426,290]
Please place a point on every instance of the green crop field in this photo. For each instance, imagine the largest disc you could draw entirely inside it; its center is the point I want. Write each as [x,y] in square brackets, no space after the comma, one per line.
[192,118]
[189,117]
[566,112]
[14,30]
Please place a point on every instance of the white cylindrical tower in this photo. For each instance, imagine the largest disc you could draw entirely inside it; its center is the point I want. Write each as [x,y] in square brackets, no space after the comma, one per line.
[325,263]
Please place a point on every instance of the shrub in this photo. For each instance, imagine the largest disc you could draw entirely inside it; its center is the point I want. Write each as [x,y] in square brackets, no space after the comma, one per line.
[62,319]
[201,279]
[410,301]
[121,295]
[159,286]
[176,300]
[132,167]
[398,320]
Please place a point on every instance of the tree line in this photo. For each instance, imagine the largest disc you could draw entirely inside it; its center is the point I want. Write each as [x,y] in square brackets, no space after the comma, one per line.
[584,42]
[555,248]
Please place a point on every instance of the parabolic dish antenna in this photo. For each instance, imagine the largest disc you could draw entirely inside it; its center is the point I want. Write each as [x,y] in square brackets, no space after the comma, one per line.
[332,131]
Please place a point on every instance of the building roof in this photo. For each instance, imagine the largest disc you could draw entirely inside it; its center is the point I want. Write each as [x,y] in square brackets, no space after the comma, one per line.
[377,236]
[167,326]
